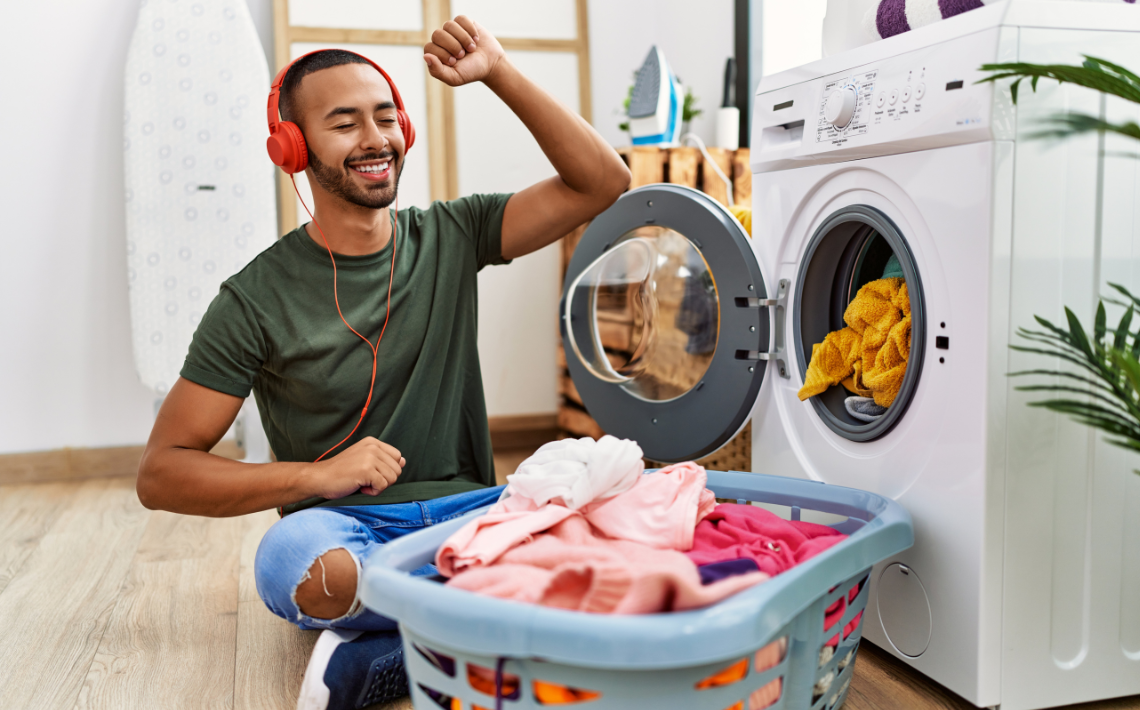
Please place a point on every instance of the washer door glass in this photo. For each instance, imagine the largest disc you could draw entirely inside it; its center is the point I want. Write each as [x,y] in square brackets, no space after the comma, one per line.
[853,247]
[665,323]
[655,314]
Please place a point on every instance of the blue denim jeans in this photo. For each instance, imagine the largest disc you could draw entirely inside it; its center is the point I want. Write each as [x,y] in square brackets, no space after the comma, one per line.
[295,542]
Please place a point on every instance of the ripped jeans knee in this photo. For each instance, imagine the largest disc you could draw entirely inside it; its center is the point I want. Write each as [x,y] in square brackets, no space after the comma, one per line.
[295,544]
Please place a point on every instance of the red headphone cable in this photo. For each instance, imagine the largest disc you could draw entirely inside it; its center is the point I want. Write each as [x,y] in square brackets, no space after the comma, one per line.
[336,298]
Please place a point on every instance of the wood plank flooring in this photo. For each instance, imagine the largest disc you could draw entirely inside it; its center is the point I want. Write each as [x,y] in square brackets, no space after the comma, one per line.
[106,605]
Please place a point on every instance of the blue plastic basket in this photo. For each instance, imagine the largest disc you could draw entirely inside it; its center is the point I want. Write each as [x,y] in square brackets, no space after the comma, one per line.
[453,638]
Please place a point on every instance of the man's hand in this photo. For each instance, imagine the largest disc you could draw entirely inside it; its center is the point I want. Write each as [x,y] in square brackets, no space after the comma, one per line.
[462,51]
[369,465]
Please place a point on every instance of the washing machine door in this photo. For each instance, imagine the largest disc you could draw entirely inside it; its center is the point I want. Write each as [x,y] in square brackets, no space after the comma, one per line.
[665,322]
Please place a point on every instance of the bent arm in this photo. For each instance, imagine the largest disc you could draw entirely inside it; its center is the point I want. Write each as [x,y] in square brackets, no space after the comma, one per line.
[591,175]
[177,472]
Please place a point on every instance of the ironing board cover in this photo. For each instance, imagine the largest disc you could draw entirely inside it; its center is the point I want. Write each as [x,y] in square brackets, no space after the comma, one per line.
[199,187]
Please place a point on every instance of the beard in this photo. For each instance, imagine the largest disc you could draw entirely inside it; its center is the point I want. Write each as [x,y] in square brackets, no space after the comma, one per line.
[339,182]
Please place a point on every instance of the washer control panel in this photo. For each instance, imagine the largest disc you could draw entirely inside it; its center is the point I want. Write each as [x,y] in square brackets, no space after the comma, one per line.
[844,110]
[926,98]
[902,99]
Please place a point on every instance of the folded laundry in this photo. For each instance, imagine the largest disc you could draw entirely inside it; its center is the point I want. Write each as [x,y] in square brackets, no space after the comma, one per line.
[660,510]
[697,314]
[734,531]
[744,216]
[578,471]
[863,408]
[872,351]
[716,571]
[834,614]
[893,269]
[572,566]
[768,657]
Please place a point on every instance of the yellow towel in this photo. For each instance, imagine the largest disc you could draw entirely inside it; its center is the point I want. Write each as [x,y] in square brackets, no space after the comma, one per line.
[869,356]
[744,216]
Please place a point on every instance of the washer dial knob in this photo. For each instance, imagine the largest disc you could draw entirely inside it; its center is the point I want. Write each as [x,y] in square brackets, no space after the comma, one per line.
[840,106]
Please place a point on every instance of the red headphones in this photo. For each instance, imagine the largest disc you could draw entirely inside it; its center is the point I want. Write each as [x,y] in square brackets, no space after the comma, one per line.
[286,144]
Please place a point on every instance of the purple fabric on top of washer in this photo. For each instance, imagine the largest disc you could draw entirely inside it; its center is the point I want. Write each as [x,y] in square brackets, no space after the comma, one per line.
[950,8]
[890,19]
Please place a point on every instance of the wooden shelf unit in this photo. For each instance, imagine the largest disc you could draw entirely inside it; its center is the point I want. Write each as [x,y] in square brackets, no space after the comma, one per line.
[680,166]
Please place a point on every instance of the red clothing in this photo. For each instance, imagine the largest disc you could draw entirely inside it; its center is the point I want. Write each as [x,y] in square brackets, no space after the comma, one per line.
[733,531]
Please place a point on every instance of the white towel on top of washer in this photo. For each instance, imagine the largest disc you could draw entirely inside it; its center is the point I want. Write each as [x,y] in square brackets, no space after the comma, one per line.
[578,471]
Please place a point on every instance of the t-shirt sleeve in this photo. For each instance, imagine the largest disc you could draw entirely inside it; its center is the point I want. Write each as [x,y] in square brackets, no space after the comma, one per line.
[480,219]
[228,348]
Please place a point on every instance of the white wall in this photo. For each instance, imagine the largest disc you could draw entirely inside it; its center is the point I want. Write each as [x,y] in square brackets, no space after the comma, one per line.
[792,33]
[696,39]
[518,304]
[67,377]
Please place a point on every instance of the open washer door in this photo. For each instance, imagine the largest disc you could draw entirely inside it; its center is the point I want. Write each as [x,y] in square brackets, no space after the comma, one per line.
[666,322]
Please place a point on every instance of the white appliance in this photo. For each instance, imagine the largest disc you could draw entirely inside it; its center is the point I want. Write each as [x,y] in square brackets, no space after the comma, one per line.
[1023,587]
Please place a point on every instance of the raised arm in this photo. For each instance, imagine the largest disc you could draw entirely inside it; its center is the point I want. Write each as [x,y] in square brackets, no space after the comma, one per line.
[591,175]
[177,472]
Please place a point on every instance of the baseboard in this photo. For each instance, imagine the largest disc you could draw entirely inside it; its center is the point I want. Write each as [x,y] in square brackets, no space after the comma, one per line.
[69,464]
[82,463]
[527,431]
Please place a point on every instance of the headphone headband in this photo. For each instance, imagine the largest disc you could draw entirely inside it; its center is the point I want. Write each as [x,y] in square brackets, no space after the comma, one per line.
[289,150]
[273,110]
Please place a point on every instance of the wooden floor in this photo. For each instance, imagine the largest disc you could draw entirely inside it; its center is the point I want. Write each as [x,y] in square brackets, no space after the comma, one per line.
[104,604]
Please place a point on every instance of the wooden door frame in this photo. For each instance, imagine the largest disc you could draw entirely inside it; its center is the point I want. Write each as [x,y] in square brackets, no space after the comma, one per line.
[440,122]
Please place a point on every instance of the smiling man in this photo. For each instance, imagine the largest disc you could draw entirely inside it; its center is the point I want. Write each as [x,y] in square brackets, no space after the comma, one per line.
[357,467]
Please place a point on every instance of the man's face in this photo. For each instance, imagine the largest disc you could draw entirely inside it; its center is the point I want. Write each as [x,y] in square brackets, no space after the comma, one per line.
[356,148]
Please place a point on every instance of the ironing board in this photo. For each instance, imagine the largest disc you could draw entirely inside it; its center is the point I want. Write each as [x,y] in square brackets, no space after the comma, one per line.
[199,187]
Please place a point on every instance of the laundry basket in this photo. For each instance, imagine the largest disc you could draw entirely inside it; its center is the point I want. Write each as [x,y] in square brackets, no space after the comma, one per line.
[764,647]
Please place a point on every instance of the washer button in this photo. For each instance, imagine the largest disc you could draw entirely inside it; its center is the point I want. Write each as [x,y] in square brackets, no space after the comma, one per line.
[880,99]
[919,91]
[906,94]
[894,97]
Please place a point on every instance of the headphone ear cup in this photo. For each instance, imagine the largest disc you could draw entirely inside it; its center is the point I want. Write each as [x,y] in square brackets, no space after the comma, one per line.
[287,148]
[407,128]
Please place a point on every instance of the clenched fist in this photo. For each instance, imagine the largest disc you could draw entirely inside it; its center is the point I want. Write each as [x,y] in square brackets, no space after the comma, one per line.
[462,51]
[369,466]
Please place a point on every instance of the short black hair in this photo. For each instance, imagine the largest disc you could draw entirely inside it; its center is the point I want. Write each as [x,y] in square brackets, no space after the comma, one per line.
[313,63]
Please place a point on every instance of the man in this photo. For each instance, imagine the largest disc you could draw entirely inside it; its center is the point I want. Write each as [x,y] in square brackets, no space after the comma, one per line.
[421,451]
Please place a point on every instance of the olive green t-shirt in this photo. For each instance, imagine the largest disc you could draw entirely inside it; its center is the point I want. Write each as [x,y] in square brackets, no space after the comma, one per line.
[274,328]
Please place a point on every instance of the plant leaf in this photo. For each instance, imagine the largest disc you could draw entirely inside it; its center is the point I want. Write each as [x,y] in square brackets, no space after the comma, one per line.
[1100,325]
[1080,339]
[1121,339]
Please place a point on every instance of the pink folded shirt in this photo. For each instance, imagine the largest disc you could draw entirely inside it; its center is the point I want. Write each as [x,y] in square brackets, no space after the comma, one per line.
[660,511]
[573,566]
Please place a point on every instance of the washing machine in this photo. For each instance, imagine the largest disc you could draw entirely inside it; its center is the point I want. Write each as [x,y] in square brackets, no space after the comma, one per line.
[1023,587]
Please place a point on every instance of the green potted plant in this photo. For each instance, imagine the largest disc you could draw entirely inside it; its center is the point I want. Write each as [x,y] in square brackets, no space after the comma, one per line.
[1102,388]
